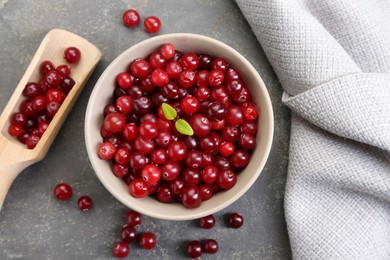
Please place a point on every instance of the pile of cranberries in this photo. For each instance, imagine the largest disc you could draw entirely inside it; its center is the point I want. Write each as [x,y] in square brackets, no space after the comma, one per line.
[43,99]
[147,150]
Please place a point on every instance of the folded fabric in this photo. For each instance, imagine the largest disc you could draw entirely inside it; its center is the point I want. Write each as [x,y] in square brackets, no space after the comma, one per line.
[332,58]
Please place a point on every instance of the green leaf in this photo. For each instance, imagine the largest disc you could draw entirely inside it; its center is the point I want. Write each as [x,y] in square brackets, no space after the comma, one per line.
[169,112]
[183,127]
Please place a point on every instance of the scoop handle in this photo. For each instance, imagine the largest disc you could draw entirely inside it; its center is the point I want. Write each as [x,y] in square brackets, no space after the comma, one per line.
[7,177]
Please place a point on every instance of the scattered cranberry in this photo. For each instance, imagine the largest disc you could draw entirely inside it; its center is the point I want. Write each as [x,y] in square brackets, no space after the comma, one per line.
[194,249]
[235,220]
[85,203]
[152,24]
[128,234]
[72,55]
[63,191]
[133,218]
[131,18]
[148,240]
[207,222]
[120,250]
[210,246]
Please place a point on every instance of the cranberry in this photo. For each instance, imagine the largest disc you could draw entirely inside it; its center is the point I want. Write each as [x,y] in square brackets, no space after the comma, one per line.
[220,64]
[31,90]
[128,234]
[39,103]
[247,141]
[207,222]
[139,188]
[157,61]
[174,69]
[145,146]
[55,94]
[206,192]
[240,158]
[26,108]
[226,179]
[190,196]
[45,67]
[207,159]
[250,113]
[222,163]
[177,150]
[232,74]
[159,156]
[15,130]
[230,134]
[124,80]
[135,91]
[167,51]
[210,246]
[148,240]
[63,191]
[142,105]
[190,104]
[148,130]
[85,203]
[200,124]
[209,174]
[133,218]
[226,148]
[130,131]
[120,170]
[191,176]
[176,186]
[120,250]
[205,61]
[122,156]
[187,78]
[138,160]
[67,84]
[216,110]
[234,87]
[170,170]
[159,77]
[152,24]
[114,122]
[235,220]
[189,61]
[72,55]
[19,119]
[243,97]
[42,126]
[165,194]
[194,249]
[163,139]
[64,70]
[202,78]
[151,174]
[32,141]
[215,77]
[131,18]
[140,68]
[194,159]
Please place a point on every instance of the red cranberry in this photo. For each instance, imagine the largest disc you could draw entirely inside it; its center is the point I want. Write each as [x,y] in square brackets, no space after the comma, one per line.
[190,104]
[165,194]
[122,156]
[148,240]
[200,124]
[85,203]
[167,51]
[215,77]
[190,196]
[148,130]
[39,103]
[250,113]
[128,234]
[67,84]
[152,24]
[232,74]
[194,249]
[206,192]
[230,134]
[63,191]
[131,18]
[173,68]
[32,141]
[45,67]
[124,80]
[163,139]
[140,68]
[219,93]
[120,170]
[210,246]
[55,94]
[15,130]
[138,160]
[177,151]
[243,97]
[159,156]
[31,90]
[216,110]
[133,218]
[142,105]
[202,79]
[176,186]
[135,91]
[145,146]
[26,108]
[19,119]
[226,148]
[191,176]
[120,250]
[234,87]
[130,131]
[220,64]
[72,55]
[189,61]
[235,220]
[157,61]
[151,174]
[64,70]
[42,126]
[240,158]
[207,222]
[209,174]
[247,141]
[205,61]
[194,159]
[187,78]
[114,122]
[226,179]
[159,77]
[139,188]
[170,170]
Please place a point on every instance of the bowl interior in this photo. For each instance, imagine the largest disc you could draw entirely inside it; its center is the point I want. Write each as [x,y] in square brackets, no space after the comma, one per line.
[103,92]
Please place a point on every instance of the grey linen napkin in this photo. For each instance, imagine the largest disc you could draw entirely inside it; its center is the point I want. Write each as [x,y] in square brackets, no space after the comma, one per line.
[332,58]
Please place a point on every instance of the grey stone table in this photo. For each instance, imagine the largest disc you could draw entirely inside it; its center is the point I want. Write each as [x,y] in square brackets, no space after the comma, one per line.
[33,225]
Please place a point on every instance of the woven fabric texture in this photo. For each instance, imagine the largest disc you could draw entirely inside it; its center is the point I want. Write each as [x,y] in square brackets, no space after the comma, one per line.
[332,58]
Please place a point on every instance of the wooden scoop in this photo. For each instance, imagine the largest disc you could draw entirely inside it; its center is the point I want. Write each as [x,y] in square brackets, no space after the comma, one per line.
[15,156]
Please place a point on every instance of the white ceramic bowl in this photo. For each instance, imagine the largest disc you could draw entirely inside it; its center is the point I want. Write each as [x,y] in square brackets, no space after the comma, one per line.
[103,93]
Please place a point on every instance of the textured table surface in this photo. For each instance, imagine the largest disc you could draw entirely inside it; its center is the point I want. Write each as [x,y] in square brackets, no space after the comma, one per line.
[33,225]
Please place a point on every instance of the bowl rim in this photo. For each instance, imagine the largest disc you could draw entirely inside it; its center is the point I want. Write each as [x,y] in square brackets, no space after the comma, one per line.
[92,155]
